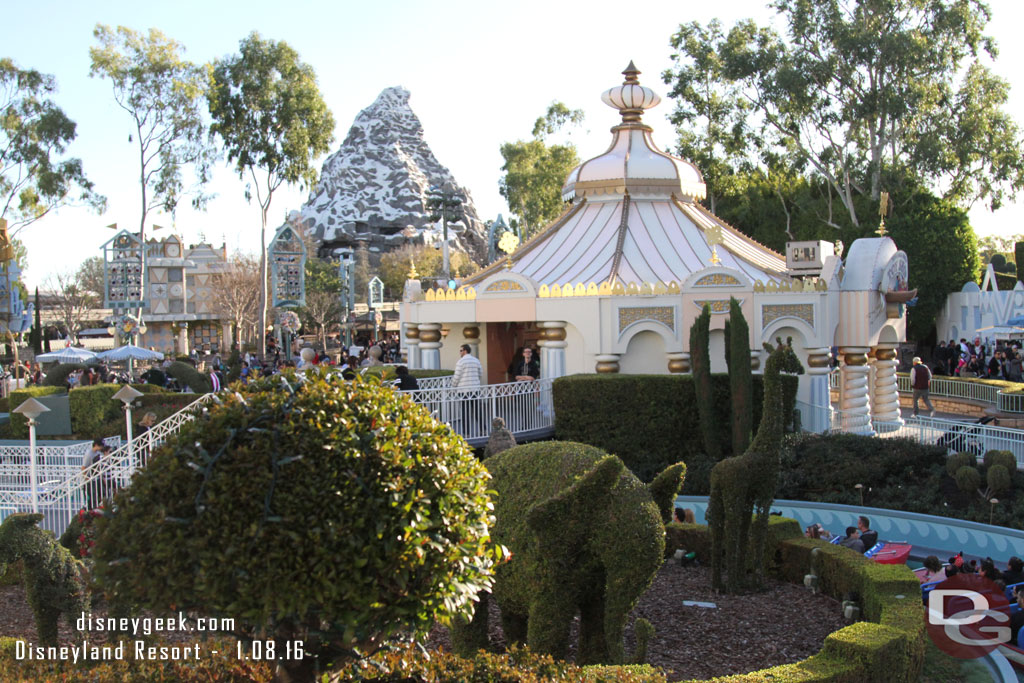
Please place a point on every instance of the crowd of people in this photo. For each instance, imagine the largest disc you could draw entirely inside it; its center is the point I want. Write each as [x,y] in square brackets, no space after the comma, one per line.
[975,359]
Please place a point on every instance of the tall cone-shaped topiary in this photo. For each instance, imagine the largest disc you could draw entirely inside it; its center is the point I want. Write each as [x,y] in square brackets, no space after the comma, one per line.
[741,384]
[700,361]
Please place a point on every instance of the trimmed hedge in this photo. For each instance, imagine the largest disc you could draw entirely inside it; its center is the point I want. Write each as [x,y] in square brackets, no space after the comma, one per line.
[649,421]
[887,646]
[188,376]
[19,424]
[58,375]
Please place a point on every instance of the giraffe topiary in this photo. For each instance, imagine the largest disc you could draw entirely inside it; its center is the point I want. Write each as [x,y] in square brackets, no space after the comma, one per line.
[741,389]
[744,485]
[700,362]
[54,580]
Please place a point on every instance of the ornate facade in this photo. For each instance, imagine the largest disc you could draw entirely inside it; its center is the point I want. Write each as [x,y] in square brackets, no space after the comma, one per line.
[615,283]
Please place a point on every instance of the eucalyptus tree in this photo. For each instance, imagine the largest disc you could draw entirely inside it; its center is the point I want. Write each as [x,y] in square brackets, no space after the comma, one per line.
[34,133]
[163,94]
[273,122]
[872,93]
[535,170]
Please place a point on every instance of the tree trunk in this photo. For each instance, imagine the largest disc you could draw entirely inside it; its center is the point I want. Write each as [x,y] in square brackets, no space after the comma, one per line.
[262,331]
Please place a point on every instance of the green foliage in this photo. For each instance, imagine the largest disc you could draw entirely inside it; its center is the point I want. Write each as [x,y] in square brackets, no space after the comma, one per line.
[93,407]
[700,363]
[323,305]
[34,132]
[968,479]
[584,534]
[54,584]
[1004,458]
[957,460]
[1018,253]
[387,372]
[234,364]
[737,344]
[394,265]
[188,376]
[163,94]
[57,376]
[518,665]
[35,336]
[589,409]
[644,633]
[744,485]
[19,425]
[665,487]
[366,515]
[998,479]
[535,171]
[268,111]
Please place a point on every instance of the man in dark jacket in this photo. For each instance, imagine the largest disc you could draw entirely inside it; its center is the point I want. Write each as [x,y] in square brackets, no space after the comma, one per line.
[920,380]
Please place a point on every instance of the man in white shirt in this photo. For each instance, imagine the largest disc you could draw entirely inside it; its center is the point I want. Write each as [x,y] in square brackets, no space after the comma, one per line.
[468,373]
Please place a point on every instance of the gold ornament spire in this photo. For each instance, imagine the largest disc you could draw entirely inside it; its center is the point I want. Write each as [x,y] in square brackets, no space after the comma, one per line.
[883,209]
[714,237]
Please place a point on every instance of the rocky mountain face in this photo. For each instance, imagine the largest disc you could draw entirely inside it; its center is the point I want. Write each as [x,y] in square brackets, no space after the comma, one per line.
[373,190]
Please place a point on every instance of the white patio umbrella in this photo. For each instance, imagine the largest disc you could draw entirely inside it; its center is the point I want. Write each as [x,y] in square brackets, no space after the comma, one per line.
[71,354]
[131,352]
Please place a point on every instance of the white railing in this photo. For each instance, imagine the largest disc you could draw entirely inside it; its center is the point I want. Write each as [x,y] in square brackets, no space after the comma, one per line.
[956,437]
[944,387]
[53,463]
[430,382]
[59,499]
[525,407]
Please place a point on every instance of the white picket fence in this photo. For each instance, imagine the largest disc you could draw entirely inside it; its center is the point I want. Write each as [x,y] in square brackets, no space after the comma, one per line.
[61,497]
[53,463]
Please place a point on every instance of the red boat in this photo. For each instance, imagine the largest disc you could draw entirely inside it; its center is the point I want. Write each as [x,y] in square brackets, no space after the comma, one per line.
[890,553]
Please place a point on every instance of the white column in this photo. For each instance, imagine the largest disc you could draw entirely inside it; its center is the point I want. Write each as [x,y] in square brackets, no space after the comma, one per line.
[412,345]
[552,349]
[813,391]
[853,390]
[430,346]
[885,397]
[471,336]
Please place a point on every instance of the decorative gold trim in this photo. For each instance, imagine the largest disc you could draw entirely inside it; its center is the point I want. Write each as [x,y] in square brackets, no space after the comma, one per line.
[882,353]
[717,280]
[412,333]
[472,332]
[664,315]
[505,286]
[544,292]
[553,333]
[819,361]
[607,367]
[772,312]
[855,359]
[717,306]
[679,365]
[430,335]
[592,289]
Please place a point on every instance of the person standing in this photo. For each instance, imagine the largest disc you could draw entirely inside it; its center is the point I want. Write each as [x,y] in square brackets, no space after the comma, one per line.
[468,375]
[920,380]
[525,367]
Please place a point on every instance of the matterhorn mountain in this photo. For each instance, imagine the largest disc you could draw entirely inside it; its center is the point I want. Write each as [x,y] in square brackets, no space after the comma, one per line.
[374,189]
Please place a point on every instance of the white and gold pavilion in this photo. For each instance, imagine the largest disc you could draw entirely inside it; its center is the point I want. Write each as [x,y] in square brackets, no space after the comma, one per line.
[615,283]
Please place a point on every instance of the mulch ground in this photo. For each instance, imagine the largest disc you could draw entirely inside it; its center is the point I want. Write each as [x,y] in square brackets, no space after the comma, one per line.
[785,623]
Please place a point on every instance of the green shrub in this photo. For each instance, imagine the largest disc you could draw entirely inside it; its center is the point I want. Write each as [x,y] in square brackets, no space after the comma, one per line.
[606,410]
[19,425]
[93,407]
[958,460]
[998,479]
[11,575]
[344,503]
[188,376]
[968,479]
[697,538]
[585,534]
[57,376]
[1004,458]
[234,365]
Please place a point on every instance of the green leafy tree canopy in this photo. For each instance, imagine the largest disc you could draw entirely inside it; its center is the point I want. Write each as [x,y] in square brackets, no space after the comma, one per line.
[268,112]
[34,133]
[535,171]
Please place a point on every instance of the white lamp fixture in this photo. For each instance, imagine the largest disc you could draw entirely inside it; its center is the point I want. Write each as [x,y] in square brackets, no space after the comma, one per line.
[126,395]
[32,409]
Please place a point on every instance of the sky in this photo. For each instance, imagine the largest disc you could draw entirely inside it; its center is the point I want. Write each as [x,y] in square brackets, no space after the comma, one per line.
[479,74]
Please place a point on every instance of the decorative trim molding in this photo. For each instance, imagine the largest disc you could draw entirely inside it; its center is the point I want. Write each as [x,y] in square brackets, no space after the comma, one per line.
[772,312]
[664,315]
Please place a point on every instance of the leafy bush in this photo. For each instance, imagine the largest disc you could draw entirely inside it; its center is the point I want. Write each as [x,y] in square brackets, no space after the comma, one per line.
[958,460]
[649,421]
[344,505]
[968,479]
[998,479]
[1004,458]
[188,376]
[19,424]
[94,406]
[58,375]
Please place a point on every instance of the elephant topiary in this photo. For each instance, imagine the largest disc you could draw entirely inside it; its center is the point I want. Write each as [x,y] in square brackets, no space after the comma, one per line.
[586,536]
[54,579]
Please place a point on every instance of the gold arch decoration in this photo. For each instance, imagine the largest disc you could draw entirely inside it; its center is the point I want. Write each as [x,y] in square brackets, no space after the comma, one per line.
[673,287]
[618,289]
[604,289]
[632,289]
[544,292]
[556,290]
[647,289]
[660,287]
[592,289]
[581,289]
[567,289]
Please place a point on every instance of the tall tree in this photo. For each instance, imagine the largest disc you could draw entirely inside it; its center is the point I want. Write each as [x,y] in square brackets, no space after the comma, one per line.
[535,171]
[394,266]
[72,301]
[268,111]
[34,133]
[163,94]
[871,92]
[710,112]
[90,276]
[237,294]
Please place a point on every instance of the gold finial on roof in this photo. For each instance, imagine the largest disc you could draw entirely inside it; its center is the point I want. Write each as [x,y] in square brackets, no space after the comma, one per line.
[412,275]
[714,238]
[883,209]
[631,74]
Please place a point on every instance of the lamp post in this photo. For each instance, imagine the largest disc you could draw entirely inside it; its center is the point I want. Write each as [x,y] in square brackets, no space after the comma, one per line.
[445,205]
[32,409]
[126,395]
